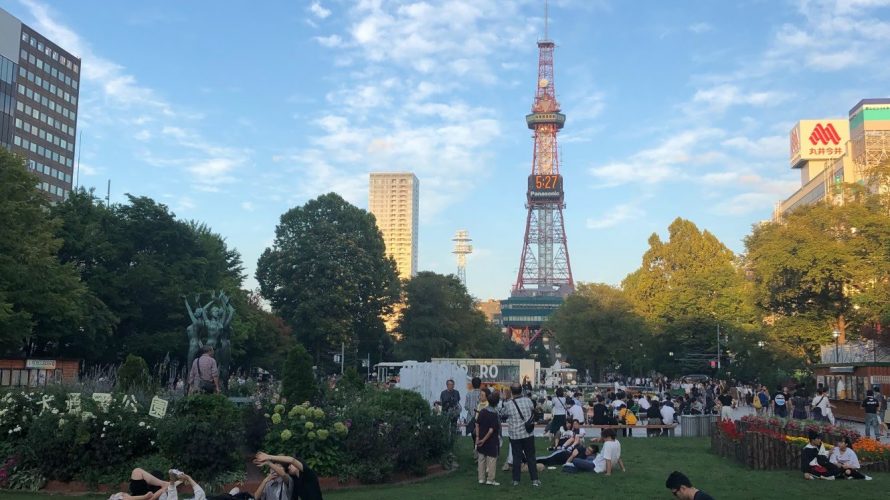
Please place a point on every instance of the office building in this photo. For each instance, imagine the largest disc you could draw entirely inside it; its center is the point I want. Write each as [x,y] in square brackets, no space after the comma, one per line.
[835,151]
[394,199]
[39,84]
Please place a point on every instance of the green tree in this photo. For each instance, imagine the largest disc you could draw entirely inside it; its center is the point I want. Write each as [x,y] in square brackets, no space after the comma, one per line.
[259,337]
[298,380]
[824,267]
[596,327]
[138,260]
[328,276]
[43,304]
[440,319]
[687,288]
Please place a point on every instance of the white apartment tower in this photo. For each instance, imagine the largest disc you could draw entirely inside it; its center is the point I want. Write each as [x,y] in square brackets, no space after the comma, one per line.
[394,199]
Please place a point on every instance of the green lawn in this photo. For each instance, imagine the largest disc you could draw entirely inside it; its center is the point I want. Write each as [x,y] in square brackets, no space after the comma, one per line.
[648,461]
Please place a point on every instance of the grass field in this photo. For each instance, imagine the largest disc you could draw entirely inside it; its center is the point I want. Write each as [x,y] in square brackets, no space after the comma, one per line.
[648,461]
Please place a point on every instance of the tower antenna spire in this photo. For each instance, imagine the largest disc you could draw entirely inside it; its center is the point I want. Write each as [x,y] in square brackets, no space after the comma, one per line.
[546,19]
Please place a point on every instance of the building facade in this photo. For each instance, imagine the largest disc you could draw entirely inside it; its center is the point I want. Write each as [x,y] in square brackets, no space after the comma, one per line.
[39,90]
[394,200]
[835,151]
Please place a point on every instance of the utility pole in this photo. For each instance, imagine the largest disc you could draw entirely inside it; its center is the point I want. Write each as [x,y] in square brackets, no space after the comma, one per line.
[718,348]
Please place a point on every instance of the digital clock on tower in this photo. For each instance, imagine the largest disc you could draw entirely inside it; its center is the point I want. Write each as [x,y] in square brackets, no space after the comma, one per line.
[545,186]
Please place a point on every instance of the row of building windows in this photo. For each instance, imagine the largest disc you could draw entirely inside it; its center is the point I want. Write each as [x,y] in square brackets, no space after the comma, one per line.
[45,152]
[49,103]
[49,120]
[56,190]
[47,170]
[43,82]
[7,70]
[46,49]
[46,136]
[49,69]
[42,99]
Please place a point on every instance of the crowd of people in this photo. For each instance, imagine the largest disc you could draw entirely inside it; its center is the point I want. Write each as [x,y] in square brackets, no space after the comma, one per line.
[286,478]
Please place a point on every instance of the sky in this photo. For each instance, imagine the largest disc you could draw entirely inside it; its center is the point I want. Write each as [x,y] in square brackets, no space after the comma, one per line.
[232,112]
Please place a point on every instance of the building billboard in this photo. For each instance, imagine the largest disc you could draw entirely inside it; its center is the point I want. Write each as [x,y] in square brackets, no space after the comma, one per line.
[818,140]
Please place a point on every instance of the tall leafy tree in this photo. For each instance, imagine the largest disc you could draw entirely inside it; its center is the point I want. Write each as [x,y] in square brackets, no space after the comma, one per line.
[824,267]
[138,261]
[328,276]
[41,300]
[689,286]
[598,329]
[440,319]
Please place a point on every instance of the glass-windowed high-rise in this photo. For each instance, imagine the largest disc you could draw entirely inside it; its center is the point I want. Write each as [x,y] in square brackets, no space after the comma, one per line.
[39,89]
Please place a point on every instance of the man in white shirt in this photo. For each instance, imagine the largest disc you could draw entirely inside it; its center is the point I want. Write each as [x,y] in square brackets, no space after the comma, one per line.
[667,418]
[575,411]
[611,452]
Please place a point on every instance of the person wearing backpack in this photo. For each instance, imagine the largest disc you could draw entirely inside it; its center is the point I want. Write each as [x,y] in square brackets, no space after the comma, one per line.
[763,396]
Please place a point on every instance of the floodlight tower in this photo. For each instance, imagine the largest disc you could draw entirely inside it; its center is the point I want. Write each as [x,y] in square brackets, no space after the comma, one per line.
[462,248]
[544,267]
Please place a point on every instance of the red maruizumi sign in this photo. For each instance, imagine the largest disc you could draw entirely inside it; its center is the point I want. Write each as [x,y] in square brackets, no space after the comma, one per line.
[825,134]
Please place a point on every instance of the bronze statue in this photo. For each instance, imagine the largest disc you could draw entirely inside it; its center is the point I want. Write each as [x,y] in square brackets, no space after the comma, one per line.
[211,326]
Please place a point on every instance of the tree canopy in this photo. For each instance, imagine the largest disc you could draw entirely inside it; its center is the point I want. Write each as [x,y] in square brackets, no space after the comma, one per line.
[686,287]
[597,329]
[43,303]
[327,275]
[440,319]
[824,267]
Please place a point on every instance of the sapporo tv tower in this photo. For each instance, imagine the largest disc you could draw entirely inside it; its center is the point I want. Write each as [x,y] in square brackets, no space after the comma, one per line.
[545,272]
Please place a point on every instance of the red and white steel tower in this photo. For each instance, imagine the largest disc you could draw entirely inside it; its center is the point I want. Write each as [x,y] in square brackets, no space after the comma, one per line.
[545,269]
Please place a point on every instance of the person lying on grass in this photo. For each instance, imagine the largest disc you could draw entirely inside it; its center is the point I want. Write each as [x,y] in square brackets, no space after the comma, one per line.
[303,480]
[141,480]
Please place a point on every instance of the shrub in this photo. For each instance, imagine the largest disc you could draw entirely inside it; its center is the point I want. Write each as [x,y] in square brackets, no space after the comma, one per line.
[309,433]
[133,374]
[297,380]
[202,435]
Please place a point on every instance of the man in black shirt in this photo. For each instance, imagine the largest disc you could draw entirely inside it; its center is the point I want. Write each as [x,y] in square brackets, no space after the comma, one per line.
[681,487]
[871,406]
[450,399]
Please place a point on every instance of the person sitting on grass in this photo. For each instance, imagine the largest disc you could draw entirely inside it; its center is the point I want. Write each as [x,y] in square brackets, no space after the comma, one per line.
[567,442]
[301,480]
[612,451]
[844,457]
[681,487]
[814,461]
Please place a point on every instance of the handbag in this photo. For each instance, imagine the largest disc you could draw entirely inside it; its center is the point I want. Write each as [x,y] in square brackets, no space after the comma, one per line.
[530,423]
[817,410]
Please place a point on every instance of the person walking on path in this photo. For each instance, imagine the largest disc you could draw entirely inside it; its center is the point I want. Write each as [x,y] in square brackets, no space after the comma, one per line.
[204,375]
[518,410]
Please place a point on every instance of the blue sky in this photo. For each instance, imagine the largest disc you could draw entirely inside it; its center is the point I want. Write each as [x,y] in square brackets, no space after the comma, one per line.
[233,112]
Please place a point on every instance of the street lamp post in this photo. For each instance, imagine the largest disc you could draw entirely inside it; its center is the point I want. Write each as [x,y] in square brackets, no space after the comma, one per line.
[836,334]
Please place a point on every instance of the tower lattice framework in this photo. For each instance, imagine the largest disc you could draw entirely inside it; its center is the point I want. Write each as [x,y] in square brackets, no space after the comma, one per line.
[545,268]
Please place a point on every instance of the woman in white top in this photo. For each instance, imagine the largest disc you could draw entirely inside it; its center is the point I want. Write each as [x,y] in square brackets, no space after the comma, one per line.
[820,401]
[844,457]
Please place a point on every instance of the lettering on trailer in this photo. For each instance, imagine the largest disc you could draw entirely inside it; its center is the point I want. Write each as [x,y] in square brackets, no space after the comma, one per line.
[485,371]
[824,134]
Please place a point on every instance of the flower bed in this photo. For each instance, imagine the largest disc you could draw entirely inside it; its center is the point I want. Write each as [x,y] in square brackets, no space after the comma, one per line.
[767,448]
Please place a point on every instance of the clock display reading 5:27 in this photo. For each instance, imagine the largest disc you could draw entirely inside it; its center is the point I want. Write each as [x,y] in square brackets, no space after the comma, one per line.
[545,183]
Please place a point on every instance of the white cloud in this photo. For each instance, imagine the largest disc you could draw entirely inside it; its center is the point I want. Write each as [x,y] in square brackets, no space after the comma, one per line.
[699,28]
[659,163]
[248,206]
[143,135]
[319,11]
[721,97]
[331,41]
[617,215]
